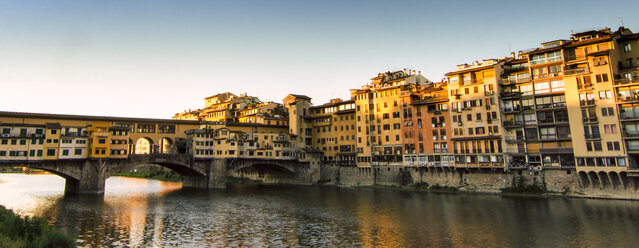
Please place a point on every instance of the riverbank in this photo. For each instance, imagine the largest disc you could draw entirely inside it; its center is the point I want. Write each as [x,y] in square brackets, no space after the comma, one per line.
[164,176]
[16,231]
[564,183]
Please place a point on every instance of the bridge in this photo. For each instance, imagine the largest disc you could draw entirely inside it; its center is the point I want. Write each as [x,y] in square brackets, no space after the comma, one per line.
[89,175]
[146,135]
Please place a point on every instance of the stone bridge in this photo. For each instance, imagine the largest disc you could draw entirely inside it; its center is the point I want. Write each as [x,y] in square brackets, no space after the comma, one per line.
[89,175]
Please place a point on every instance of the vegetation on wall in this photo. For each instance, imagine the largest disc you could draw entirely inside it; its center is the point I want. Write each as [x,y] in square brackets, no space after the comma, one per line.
[17,232]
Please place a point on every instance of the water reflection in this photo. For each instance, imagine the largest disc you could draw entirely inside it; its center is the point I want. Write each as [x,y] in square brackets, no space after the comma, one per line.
[138,212]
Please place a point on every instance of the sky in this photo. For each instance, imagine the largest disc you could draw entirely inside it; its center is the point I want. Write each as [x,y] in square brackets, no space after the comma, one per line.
[156,58]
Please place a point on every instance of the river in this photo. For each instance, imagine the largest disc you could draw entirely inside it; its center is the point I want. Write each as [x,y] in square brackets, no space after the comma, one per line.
[149,213]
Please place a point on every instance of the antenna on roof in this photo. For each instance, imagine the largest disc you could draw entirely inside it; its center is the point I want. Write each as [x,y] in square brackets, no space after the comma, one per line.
[621,20]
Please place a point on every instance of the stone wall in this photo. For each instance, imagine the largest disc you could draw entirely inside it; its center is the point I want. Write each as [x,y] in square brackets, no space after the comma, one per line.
[563,182]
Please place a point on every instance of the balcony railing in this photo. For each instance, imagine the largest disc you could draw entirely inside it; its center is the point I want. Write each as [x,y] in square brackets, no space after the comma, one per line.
[586,102]
[627,98]
[576,71]
[576,57]
[590,119]
[511,94]
[592,136]
[625,81]
[511,123]
[630,135]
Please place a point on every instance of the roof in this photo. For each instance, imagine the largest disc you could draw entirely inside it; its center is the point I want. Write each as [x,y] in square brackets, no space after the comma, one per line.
[334,104]
[628,37]
[20,125]
[118,128]
[300,96]
[225,94]
[52,125]
[93,118]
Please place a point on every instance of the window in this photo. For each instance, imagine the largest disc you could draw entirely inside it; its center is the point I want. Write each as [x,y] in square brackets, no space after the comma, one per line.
[541,88]
[50,152]
[627,48]
[65,152]
[77,151]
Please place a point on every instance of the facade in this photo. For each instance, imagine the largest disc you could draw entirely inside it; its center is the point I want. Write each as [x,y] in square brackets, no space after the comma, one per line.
[378,116]
[476,131]
[21,141]
[267,113]
[333,129]
[52,141]
[119,142]
[99,140]
[426,136]
[73,143]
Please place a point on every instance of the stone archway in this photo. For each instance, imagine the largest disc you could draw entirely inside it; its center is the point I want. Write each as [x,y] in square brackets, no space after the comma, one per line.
[143,145]
[165,145]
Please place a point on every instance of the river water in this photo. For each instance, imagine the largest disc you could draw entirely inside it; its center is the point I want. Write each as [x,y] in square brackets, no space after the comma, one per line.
[150,213]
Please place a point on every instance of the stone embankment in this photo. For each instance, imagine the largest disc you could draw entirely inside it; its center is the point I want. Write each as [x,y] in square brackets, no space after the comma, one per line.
[547,182]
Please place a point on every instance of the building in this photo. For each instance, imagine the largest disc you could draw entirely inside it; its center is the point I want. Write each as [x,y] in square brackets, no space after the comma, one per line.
[426,135]
[99,140]
[74,143]
[378,116]
[333,131]
[475,114]
[119,142]
[52,141]
[21,141]
[267,113]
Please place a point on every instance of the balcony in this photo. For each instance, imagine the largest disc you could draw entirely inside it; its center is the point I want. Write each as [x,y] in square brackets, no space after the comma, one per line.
[575,58]
[584,103]
[592,136]
[512,110]
[489,93]
[627,99]
[587,86]
[590,119]
[518,139]
[512,123]
[576,71]
[514,94]
[630,135]
[625,82]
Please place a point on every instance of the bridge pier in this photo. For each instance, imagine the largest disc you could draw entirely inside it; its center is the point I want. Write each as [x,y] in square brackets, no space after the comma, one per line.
[217,174]
[90,179]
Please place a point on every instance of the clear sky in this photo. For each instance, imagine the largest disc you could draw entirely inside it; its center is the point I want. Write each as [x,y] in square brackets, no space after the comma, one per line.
[155,58]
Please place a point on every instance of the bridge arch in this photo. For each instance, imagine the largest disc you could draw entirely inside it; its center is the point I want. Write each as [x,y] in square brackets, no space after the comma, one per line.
[178,163]
[165,145]
[143,145]
[262,169]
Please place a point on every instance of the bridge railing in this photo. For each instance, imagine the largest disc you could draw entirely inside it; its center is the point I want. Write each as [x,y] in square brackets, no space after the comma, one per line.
[182,158]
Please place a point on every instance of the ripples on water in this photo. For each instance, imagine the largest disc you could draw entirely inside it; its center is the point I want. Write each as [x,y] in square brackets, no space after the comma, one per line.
[143,213]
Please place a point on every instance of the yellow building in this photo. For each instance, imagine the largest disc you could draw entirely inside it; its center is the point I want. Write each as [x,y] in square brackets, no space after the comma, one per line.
[52,141]
[73,143]
[119,142]
[476,131]
[267,113]
[625,64]
[99,140]
[300,126]
[379,111]
[334,131]
[240,141]
[21,141]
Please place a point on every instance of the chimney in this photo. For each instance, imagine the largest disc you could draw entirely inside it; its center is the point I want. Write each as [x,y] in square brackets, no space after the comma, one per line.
[512,54]
[420,72]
